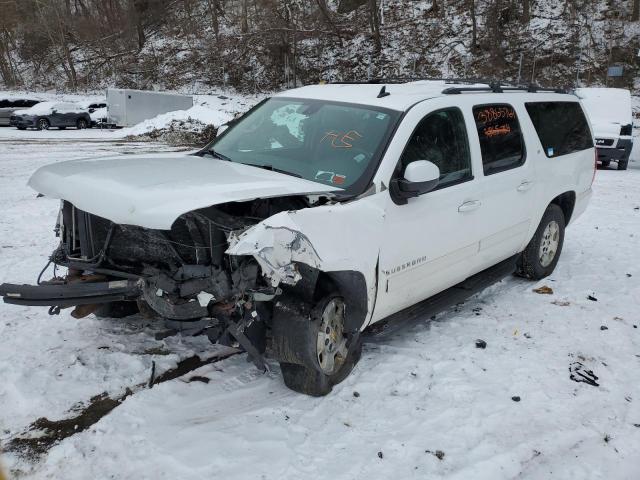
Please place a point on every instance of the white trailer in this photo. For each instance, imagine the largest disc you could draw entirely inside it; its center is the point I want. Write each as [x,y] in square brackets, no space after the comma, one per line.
[128,107]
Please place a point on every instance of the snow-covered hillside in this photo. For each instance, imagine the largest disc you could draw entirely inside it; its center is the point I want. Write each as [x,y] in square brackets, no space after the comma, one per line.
[192,44]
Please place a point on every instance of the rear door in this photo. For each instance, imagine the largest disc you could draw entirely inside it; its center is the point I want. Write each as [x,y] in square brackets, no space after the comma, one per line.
[506,183]
[56,117]
[430,243]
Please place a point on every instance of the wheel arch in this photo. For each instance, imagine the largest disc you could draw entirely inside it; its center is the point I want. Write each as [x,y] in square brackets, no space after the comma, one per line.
[566,201]
[351,284]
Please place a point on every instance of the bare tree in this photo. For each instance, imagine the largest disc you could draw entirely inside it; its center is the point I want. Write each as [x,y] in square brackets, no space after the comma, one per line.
[474,24]
[374,23]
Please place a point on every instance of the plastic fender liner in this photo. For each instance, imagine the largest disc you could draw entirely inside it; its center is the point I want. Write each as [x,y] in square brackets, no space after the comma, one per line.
[353,287]
[68,295]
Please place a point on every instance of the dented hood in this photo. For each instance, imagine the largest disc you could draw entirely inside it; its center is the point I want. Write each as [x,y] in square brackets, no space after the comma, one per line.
[152,191]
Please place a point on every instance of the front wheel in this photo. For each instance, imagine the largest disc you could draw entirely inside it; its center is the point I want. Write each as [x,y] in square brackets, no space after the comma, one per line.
[315,351]
[622,164]
[541,256]
[81,124]
[43,124]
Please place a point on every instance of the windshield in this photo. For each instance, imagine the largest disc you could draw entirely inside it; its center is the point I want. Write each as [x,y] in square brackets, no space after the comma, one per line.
[333,143]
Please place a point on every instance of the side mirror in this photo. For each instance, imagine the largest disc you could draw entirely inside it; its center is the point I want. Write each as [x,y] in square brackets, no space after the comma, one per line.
[53,110]
[420,177]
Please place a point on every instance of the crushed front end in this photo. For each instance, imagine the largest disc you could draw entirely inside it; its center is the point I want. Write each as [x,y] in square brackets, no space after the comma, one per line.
[181,274]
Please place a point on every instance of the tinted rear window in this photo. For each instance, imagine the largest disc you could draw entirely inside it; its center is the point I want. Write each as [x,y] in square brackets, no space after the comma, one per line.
[561,127]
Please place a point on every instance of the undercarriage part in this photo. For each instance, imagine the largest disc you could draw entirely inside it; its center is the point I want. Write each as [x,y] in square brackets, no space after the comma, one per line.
[157,299]
[69,295]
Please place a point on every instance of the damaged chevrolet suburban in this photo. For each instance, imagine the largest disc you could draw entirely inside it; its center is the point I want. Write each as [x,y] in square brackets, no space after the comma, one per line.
[321,211]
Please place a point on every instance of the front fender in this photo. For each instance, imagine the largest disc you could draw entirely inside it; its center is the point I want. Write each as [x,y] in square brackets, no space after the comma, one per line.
[329,238]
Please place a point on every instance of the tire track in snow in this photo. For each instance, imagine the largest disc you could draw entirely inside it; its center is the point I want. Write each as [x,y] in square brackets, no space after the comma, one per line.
[42,434]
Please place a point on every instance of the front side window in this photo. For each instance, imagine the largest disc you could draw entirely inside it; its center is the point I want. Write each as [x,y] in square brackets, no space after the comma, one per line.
[561,127]
[501,141]
[441,138]
[333,143]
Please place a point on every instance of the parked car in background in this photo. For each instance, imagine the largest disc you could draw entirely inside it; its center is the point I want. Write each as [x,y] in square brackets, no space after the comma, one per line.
[609,110]
[97,111]
[10,105]
[51,114]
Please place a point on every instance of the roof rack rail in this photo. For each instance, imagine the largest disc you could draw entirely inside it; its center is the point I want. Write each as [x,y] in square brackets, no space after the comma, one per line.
[397,80]
[497,87]
[492,85]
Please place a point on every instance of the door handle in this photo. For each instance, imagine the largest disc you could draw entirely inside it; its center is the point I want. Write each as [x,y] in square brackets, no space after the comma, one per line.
[524,186]
[469,206]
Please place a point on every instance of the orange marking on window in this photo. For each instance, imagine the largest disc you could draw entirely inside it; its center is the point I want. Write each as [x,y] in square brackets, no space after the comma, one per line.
[497,130]
[339,140]
[491,114]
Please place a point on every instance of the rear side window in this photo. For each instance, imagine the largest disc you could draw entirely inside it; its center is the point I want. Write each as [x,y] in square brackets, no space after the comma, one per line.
[500,137]
[561,127]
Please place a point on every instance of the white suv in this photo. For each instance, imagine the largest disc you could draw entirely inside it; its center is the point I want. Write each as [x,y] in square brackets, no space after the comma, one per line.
[322,211]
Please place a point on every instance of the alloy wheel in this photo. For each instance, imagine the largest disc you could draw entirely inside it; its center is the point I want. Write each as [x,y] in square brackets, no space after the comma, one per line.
[331,343]
[549,243]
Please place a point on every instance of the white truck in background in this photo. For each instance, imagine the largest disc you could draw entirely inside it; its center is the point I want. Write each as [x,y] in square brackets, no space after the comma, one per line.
[609,110]
[129,107]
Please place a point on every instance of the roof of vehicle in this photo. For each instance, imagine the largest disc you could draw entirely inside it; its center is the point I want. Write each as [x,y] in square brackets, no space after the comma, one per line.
[606,104]
[43,108]
[401,96]
[14,98]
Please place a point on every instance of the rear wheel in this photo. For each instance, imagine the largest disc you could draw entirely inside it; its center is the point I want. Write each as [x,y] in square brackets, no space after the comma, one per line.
[320,354]
[43,124]
[541,256]
[21,128]
[622,164]
[81,124]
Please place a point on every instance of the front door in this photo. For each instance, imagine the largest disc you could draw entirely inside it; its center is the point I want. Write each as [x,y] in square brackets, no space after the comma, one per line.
[431,243]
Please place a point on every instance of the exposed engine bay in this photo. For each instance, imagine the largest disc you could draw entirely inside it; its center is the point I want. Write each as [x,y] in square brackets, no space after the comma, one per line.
[184,269]
[180,274]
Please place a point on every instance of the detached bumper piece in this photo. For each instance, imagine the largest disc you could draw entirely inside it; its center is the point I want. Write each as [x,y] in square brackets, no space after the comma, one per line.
[68,295]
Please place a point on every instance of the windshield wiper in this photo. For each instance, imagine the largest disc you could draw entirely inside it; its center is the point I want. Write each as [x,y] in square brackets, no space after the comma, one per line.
[218,155]
[274,169]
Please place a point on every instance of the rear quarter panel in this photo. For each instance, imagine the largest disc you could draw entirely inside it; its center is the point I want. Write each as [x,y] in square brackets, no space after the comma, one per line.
[557,175]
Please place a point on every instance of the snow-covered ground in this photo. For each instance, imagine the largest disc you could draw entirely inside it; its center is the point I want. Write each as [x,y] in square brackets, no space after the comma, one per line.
[424,403]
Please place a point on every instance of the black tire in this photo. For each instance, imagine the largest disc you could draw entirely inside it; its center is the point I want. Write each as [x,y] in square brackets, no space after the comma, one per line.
[116,309]
[62,128]
[81,124]
[43,124]
[622,164]
[605,163]
[295,336]
[21,128]
[532,264]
